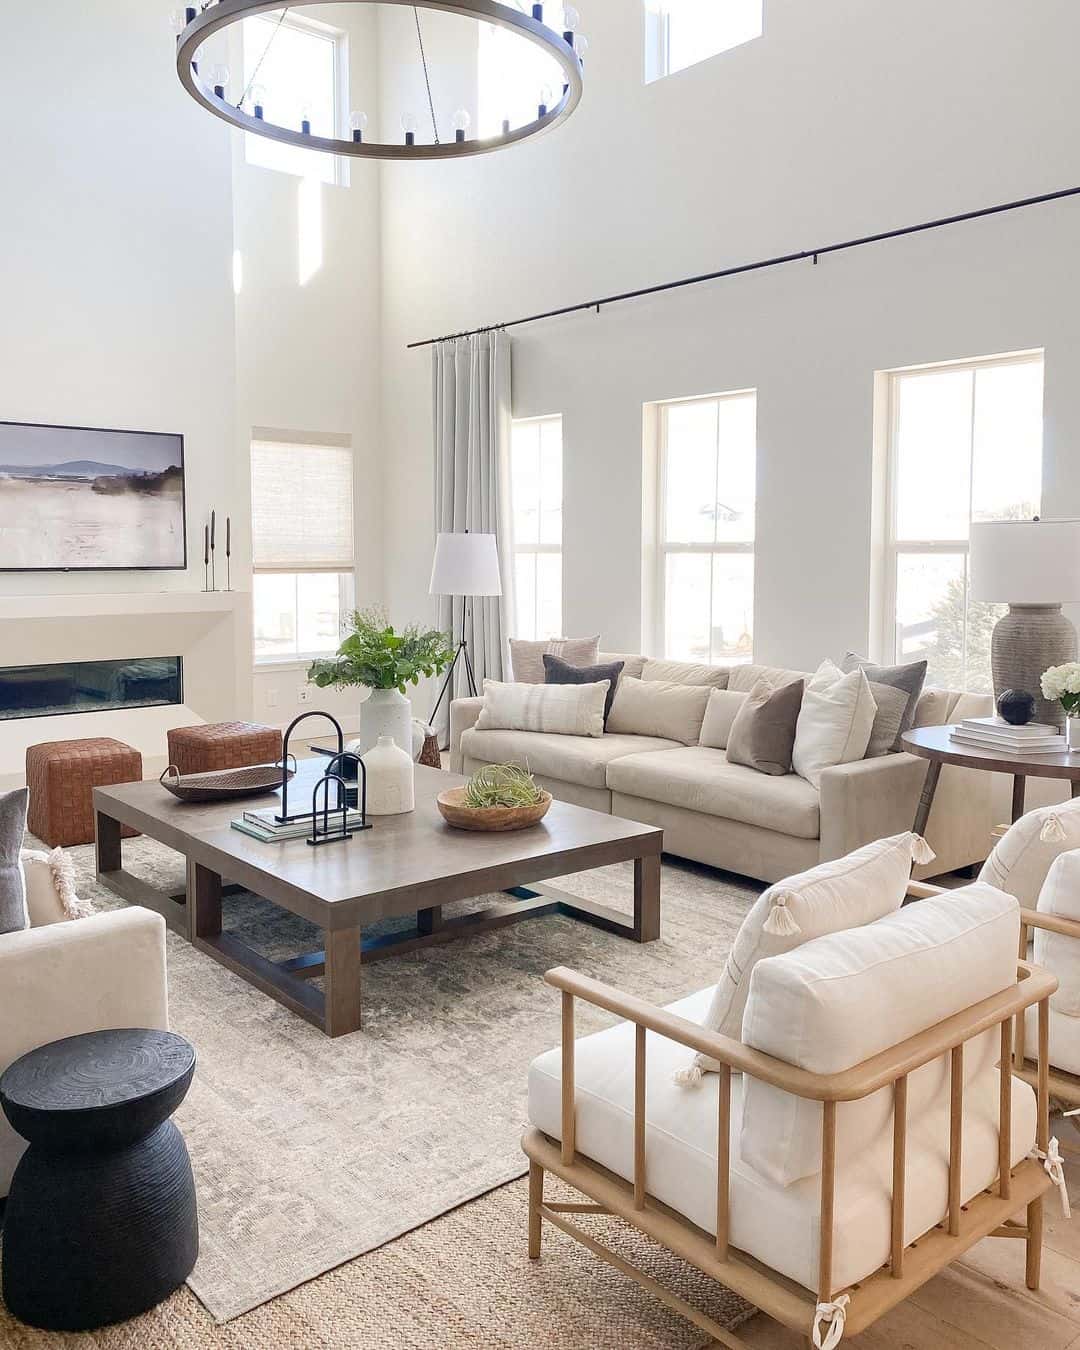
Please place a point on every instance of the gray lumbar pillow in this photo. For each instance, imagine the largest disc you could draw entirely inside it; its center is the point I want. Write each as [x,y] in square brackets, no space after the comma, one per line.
[13,915]
[909,678]
[762,735]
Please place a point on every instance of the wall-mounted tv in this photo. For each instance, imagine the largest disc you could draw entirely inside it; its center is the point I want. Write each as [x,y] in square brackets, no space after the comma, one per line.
[79,499]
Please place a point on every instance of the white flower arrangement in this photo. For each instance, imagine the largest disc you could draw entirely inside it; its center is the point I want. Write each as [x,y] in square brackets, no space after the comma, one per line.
[1062,683]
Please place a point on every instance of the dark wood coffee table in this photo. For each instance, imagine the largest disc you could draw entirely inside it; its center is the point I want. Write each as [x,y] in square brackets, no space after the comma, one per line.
[411,864]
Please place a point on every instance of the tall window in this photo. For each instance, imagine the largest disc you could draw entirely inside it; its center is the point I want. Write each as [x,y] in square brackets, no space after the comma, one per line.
[300,67]
[707,463]
[512,72]
[302,547]
[536,489]
[680,33]
[965,443]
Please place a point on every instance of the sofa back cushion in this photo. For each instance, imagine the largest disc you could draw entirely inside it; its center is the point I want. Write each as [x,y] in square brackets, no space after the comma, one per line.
[831,1004]
[559,709]
[673,712]
[763,733]
[842,893]
[632,664]
[743,678]
[527,658]
[1060,895]
[720,713]
[685,672]
[1020,860]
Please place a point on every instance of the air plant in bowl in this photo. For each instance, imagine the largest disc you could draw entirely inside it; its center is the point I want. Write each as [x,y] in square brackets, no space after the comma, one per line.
[496,797]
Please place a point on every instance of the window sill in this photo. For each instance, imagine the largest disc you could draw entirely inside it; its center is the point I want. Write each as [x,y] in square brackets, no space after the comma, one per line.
[287,662]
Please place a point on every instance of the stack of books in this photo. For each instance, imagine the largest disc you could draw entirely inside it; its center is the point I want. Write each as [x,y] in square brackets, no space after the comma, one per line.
[994,733]
[262,825]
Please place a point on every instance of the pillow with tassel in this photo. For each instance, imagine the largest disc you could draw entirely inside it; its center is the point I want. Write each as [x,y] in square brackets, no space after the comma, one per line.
[843,893]
[1021,858]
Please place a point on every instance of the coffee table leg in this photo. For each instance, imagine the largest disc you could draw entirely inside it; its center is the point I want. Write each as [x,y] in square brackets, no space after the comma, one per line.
[647,898]
[429,920]
[1019,792]
[342,981]
[926,800]
[107,840]
[205,902]
[1074,788]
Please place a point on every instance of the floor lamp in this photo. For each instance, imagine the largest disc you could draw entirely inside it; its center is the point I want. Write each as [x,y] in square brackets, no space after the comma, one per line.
[466,565]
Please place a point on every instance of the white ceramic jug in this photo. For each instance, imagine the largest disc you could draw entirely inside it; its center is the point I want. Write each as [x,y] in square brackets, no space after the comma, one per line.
[389,779]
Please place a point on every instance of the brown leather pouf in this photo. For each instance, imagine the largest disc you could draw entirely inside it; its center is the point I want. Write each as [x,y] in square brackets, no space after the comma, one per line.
[62,775]
[223,745]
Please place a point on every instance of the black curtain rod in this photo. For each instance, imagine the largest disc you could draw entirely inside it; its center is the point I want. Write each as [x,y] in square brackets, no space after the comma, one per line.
[801,256]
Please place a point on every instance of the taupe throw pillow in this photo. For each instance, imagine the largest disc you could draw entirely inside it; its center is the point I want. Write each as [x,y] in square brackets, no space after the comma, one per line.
[763,733]
[892,705]
[527,658]
[13,915]
[558,671]
[909,678]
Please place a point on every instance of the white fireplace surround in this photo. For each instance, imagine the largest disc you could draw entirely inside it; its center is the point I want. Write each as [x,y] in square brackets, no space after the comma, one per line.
[211,631]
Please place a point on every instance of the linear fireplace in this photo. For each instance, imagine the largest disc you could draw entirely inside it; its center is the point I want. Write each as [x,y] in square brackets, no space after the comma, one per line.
[90,686]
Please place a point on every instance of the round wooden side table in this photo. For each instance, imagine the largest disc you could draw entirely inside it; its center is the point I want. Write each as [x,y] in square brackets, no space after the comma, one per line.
[101,1221]
[935,745]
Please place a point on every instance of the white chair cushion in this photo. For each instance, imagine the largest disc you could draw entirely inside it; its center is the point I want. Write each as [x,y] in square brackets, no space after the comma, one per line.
[1021,858]
[1064,1038]
[1060,895]
[835,721]
[842,893]
[778,1225]
[833,1003]
[572,759]
[559,709]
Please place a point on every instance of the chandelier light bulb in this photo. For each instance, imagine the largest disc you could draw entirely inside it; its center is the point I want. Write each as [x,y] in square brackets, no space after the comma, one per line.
[580,45]
[358,121]
[257,95]
[305,119]
[219,78]
[506,126]
[177,22]
[461,122]
[547,98]
[190,12]
[408,126]
[570,19]
[538,13]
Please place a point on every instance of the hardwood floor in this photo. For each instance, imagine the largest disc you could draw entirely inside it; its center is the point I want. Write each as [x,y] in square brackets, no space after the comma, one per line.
[981,1302]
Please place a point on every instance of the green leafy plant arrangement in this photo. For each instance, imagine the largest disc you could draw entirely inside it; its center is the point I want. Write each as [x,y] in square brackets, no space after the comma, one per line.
[502,785]
[375,656]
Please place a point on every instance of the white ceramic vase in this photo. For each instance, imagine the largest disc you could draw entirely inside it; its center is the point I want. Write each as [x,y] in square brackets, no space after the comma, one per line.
[385,712]
[1072,731]
[389,779]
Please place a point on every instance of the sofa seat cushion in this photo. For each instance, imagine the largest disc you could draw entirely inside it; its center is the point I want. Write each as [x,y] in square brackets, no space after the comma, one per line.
[777,1224]
[700,778]
[574,759]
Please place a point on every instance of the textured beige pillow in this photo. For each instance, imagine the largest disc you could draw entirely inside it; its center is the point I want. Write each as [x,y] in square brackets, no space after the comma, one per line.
[561,709]
[720,712]
[686,672]
[842,893]
[892,706]
[527,658]
[835,721]
[763,733]
[50,888]
[673,712]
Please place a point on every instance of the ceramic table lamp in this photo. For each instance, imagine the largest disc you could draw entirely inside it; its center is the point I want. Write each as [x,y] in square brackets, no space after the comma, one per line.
[1033,566]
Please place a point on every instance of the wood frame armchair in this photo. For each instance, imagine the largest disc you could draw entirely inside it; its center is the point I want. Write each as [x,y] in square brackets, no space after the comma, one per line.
[994,1211]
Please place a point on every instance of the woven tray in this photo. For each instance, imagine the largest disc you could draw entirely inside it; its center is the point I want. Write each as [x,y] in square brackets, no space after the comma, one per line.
[221,785]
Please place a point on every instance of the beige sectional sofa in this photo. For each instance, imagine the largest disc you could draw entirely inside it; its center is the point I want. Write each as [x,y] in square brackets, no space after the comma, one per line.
[733,817]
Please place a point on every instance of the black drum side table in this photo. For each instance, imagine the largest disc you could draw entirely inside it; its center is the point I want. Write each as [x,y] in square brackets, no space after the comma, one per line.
[101,1221]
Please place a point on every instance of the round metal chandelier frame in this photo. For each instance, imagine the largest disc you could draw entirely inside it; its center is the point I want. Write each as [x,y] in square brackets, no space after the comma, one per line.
[227,12]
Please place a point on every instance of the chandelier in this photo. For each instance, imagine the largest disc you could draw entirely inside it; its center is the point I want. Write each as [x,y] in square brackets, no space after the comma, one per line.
[208,84]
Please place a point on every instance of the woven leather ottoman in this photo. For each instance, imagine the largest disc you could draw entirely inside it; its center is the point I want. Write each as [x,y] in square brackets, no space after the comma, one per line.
[223,745]
[61,776]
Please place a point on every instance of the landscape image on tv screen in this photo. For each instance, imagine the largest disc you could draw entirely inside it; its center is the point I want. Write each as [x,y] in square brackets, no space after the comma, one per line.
[73,498]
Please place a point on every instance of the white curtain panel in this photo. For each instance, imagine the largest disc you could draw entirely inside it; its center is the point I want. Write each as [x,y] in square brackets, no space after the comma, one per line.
[471,384]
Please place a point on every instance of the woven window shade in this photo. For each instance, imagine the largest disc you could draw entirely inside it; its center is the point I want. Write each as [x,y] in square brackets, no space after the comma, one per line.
[301,507]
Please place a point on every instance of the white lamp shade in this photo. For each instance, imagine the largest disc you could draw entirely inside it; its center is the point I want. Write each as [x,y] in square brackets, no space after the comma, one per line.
[1025,562]
[465,564]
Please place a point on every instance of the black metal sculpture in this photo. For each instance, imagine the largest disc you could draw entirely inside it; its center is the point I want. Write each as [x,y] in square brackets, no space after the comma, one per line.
[284,818]
[327,834]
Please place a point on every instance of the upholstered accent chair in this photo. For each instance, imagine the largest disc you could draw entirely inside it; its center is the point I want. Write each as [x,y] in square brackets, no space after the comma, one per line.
[863,1133]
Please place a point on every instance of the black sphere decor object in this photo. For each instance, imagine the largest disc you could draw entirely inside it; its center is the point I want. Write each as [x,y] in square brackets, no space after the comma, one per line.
[101,1222]
[1017,707]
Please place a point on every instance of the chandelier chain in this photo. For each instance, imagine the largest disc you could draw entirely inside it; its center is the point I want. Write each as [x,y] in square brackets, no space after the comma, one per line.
[265,52]
[427,76]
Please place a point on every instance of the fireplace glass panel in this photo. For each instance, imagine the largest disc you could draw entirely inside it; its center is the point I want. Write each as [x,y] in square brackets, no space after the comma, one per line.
[89,686]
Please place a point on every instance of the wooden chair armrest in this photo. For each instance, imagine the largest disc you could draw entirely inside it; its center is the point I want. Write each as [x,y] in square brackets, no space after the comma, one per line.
[1032,986]
[922,890]
[1052,923]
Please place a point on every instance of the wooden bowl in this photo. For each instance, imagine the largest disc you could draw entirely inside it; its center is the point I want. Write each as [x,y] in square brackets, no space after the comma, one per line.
[451,804]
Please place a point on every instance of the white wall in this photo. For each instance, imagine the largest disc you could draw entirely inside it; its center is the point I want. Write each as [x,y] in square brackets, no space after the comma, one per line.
[846,118]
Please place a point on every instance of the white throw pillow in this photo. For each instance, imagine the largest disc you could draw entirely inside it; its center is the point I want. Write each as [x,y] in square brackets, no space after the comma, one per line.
[843,893]
[527,658]
[1060,895]
[1021,858]
[835,721]
[836,1002]
[673,712]
[562,709]
[720,712]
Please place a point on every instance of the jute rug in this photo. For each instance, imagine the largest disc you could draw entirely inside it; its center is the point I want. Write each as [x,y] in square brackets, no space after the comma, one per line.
[309,1151]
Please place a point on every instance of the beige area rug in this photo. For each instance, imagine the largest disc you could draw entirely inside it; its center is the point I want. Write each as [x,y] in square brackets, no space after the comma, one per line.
[463,1282]
[309,1151]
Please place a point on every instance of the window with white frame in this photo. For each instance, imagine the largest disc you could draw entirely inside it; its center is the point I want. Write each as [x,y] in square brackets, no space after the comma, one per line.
[965,443]
[298,68]
[514,76]
[680,33]
[536,494]
[302,547]
[706,457]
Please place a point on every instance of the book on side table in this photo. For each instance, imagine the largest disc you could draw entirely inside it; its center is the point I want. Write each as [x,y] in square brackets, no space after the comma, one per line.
[994,733]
